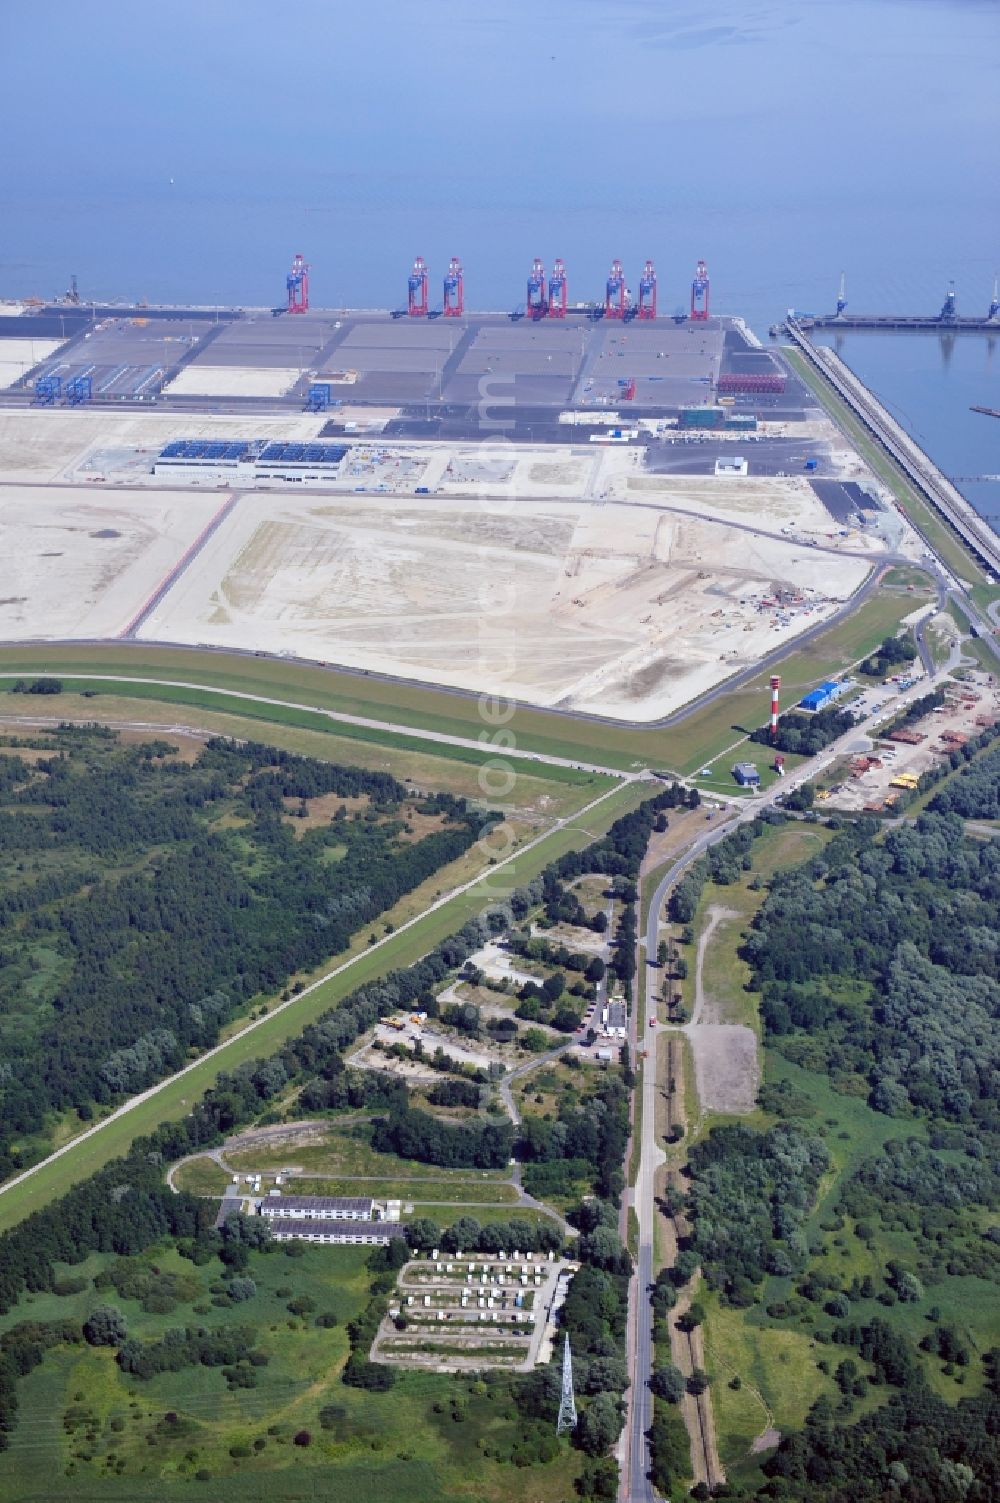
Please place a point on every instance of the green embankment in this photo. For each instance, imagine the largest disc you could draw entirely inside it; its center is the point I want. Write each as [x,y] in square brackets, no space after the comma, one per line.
[302,693]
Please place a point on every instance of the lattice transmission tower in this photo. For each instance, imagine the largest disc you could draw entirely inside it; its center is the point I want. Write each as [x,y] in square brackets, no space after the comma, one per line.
[567,1403]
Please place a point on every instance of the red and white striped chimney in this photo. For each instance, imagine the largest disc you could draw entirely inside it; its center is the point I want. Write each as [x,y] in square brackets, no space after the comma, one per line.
[775,687]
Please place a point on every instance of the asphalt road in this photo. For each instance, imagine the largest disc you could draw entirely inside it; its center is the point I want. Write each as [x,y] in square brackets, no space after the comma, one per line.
[638,1488]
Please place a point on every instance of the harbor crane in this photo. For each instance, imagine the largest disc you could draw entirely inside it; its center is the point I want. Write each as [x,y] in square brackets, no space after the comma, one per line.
[842,295]
[297,285]
[454,289]
[949,308]
[994,312]
[614,295]
[557,289]
[536,303]
[699,294]
[647,292]
[416,289]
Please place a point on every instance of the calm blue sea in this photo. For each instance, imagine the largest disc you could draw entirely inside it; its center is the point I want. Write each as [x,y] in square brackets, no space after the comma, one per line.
[183,152]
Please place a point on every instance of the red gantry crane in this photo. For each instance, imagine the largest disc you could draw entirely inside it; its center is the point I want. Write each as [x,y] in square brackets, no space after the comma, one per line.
[454,289]
[297,286]
[647,291]
[699,294]
[536,302]
[557,290]
[614,296]
[416,289]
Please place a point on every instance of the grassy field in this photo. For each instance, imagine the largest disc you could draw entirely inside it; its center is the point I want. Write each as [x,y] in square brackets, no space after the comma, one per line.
[89,1431]
[539,786]
[201,1176]
[458,1189]
[344,1151]
[725,975]
[175,1097]
[778,1376]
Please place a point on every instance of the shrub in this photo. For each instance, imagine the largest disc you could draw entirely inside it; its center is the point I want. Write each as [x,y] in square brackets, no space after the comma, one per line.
[105,1326]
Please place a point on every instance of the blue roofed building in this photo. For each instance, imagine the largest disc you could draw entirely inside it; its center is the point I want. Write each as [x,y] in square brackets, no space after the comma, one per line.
[824,694]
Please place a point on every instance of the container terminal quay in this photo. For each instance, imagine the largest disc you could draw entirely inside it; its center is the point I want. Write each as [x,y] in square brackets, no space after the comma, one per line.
[664,507]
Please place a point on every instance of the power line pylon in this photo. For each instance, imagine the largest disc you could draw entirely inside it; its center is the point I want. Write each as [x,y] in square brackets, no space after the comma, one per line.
[567,1403]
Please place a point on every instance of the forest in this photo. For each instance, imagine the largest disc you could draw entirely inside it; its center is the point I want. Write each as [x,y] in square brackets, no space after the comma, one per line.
[880,961]
[146,899]
[877,968]
[750,1195]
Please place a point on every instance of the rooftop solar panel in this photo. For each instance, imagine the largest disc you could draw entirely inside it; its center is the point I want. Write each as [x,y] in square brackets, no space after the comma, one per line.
[260,450]
[205,448]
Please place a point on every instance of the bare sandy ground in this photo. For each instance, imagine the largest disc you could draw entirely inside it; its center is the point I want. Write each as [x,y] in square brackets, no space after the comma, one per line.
[566,578]
[233,381]
[50,444]
[623,610]
[726,1064]
[18,356]
[80,564]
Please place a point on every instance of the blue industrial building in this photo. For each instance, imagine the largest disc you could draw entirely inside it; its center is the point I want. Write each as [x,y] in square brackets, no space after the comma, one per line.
[746,774]
[825,694]
[220,461]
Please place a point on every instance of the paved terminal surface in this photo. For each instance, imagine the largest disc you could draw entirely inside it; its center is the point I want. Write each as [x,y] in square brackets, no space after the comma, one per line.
[478,370]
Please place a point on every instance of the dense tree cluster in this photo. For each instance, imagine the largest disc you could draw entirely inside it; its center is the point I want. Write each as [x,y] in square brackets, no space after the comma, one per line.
[144,958]
[915,1447]
[233,1348]
[886,954]
[892,653]
[451,1093]
[976,793]
[912,1188]
[750,1195]
[467,1235]
[413,1134]
[619,853]
[804,733]
[590,1138]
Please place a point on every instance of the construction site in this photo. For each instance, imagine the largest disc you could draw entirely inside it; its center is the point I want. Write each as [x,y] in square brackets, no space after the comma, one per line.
[341,488]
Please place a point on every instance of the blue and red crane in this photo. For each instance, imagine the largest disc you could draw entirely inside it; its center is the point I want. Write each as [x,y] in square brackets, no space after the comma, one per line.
[647,291]
[536,302]
[557,290]
[454,289]
[416,289]
[297,286]
[614,294]
[699,294]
